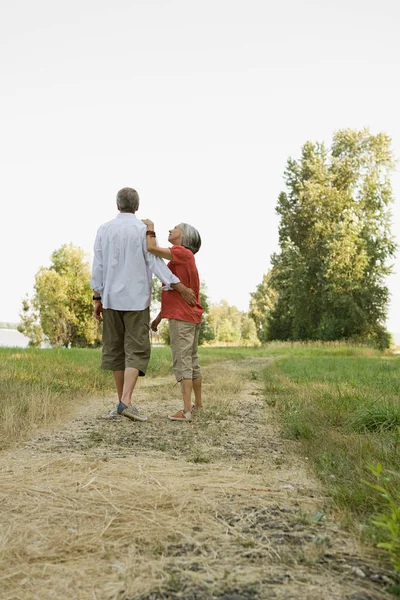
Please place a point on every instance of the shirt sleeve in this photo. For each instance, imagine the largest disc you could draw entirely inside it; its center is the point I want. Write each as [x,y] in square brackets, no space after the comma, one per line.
[181,255]
[97,281]
[158,267]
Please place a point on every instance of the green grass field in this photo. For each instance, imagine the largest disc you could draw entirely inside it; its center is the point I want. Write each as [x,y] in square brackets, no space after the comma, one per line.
[344,410]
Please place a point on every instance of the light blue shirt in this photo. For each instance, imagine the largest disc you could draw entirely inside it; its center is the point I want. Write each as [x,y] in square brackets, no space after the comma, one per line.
[122,266]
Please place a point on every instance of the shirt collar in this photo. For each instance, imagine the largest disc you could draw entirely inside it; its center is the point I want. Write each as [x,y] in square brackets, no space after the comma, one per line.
[126,216]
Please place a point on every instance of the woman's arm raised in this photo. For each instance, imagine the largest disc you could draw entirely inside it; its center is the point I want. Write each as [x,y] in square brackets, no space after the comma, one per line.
[152,244]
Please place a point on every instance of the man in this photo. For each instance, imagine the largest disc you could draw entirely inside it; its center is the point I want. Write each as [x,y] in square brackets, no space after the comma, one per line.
[121,282]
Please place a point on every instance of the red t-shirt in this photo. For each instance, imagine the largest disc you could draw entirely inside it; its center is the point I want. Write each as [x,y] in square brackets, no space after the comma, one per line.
[173,305]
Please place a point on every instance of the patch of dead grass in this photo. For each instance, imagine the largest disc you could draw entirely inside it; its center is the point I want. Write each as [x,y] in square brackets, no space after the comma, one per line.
[79,528]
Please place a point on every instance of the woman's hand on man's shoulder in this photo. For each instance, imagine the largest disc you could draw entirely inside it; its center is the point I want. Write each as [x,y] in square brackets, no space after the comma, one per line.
[150,224]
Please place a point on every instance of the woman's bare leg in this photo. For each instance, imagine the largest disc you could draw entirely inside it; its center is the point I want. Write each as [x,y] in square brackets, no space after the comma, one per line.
[187,386]
[198,403]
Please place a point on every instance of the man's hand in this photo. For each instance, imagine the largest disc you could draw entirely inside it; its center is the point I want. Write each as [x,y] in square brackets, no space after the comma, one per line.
[188,295]
[150,224]
[98,310]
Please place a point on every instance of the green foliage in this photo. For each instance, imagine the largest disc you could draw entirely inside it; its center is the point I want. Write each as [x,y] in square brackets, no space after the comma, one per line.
[206,331]
[61,309]
[30,323]
[261,303]
[232,326]
[388,520]
[226,322]
[378,417]
[163,332]
[335,242]
[156,291]
[248,331]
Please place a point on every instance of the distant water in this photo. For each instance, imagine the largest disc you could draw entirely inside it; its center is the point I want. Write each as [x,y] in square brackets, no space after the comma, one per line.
[13,339]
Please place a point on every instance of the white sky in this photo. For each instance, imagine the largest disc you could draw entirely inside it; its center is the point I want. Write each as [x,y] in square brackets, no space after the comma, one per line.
[197,105]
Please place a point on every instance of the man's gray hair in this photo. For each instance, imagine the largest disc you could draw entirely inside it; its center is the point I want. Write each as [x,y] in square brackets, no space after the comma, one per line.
[190,237]
[128,200]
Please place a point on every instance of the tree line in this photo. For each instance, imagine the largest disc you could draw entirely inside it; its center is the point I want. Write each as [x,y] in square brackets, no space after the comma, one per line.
[61,309]
[326,282]
[222,323]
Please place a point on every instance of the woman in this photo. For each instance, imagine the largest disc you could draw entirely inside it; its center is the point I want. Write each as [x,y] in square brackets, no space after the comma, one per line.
[184,320]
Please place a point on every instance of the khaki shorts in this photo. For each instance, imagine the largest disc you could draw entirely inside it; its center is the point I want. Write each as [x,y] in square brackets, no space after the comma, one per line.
[126,340]
[184,341]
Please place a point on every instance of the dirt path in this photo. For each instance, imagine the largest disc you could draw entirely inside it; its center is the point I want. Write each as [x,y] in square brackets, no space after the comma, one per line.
[221,508]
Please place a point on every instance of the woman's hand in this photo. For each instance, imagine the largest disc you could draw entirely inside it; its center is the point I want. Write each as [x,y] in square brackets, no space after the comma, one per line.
[150,224]
[156,323]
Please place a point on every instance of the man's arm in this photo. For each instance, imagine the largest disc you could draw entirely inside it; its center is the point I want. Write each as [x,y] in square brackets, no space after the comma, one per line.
[97,278]
[187,293]
[96,281]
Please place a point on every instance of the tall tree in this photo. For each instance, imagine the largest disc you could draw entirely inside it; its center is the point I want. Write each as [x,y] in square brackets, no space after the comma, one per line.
[335,241]
[61,309]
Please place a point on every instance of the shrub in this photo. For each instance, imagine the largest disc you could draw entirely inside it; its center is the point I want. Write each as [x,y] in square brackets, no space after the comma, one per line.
[380,417]
[389,520]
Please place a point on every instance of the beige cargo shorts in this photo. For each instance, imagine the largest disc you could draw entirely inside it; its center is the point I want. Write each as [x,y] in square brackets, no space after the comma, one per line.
[184,342]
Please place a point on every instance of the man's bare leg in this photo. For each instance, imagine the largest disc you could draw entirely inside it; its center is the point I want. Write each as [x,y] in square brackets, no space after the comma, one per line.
[187,386]
[198,403]
[130,378]
[119,382]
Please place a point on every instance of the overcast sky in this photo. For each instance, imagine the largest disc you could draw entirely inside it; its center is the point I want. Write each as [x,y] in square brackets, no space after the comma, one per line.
[197,105]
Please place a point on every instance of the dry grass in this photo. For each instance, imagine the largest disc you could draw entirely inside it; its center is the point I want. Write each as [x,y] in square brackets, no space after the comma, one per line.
[42,387]
[92,531]
[111,510]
